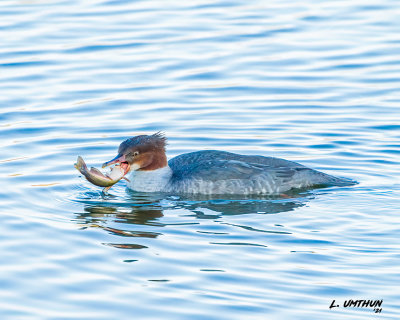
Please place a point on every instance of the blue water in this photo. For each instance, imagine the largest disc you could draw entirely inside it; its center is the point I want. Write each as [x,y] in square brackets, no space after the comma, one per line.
[310,81]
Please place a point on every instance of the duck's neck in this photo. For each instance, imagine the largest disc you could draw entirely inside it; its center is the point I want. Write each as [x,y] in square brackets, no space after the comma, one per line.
[150,180]
[153,161]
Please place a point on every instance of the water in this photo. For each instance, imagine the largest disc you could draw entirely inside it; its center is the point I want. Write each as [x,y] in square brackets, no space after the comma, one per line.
[307,81]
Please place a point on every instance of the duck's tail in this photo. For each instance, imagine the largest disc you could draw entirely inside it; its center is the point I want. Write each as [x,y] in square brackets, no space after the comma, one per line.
[337,181]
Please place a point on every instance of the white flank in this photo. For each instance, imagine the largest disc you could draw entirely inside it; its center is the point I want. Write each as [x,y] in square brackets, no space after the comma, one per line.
[151,180]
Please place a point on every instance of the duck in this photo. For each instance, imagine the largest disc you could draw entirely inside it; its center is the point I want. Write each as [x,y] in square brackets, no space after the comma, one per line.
[212,171]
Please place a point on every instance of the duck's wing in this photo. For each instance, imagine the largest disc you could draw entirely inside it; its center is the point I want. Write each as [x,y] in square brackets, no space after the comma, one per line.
[272,173]
[219,165]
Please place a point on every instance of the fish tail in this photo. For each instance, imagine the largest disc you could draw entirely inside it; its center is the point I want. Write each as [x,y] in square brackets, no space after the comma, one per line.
[80,165]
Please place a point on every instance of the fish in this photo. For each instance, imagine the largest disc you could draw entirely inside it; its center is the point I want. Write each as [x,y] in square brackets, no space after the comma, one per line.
[96,177]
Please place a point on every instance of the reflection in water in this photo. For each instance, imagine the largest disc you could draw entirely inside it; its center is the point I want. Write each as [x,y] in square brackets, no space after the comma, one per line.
[103,216]
[133,215]
[218,207]
[139,211]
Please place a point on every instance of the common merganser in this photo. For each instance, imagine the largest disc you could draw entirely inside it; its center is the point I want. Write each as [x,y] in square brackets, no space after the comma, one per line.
[211,171]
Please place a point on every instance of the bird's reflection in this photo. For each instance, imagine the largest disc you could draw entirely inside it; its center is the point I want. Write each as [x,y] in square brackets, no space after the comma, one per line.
[139,215]
[126,215]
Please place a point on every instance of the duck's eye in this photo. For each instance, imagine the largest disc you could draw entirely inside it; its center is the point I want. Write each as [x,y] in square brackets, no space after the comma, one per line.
[136,153]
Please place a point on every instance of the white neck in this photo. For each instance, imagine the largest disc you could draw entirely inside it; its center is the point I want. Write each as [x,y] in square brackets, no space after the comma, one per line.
[150,180]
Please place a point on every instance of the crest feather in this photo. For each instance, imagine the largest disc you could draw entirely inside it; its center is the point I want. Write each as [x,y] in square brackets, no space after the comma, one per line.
[146,142]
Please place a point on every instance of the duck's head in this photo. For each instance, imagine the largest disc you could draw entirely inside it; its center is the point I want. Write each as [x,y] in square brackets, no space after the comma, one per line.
[141,153]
